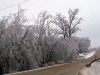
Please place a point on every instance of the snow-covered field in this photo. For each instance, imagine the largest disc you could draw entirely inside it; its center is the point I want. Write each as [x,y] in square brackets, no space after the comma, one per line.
[86,55]
[89,55]
[93,70]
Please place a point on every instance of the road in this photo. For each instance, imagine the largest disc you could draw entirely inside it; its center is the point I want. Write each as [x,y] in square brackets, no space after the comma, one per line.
[64,69]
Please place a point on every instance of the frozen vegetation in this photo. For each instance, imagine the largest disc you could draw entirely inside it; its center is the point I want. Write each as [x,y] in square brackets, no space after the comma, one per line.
[24,46]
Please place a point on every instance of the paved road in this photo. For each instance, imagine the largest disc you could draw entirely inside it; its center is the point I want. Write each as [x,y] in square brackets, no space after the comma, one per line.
[65,69]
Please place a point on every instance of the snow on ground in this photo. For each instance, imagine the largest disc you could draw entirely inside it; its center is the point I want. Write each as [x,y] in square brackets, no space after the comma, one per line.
[93,70]
[87,55]
[95,67]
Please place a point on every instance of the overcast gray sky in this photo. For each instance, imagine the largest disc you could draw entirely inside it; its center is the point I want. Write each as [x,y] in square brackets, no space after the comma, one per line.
[89,10]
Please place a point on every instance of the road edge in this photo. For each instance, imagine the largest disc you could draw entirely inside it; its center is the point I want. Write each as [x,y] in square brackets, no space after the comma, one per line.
[82,67]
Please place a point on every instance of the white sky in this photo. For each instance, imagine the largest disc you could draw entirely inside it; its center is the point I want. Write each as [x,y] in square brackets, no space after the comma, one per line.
[89,11]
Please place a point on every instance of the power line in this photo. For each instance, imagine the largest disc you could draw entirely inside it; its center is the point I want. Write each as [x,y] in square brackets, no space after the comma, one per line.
[13,5]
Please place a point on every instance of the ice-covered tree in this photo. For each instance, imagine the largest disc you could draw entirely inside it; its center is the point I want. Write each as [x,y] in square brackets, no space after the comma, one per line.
[24,46]
[68,26]
[84,44]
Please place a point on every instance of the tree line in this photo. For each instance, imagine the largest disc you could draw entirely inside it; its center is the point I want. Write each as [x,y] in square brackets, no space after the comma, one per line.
[48,39]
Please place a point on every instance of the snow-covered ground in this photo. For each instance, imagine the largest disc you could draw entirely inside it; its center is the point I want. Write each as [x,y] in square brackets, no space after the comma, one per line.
[89,55]
[93,70]
[86,55]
